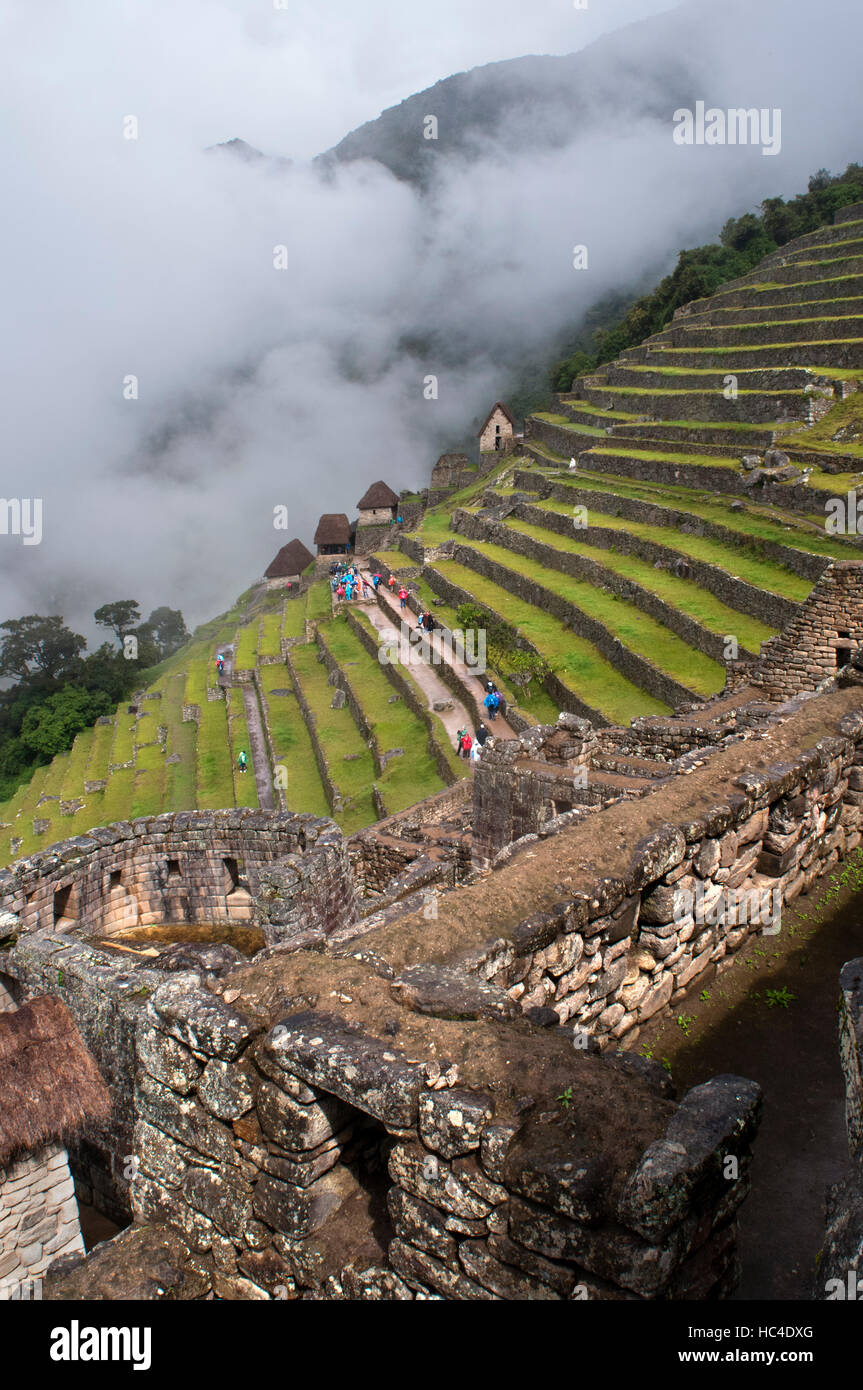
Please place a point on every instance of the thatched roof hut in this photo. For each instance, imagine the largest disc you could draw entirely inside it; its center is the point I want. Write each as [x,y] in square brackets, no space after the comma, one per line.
[333,534]
[49,1083]
[380,494]
[290,562]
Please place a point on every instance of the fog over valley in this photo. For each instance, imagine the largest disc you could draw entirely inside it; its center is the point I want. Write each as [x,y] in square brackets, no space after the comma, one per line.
[166,385]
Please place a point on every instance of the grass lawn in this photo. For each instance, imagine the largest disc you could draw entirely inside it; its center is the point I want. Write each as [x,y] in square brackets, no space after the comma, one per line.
[293,746]
[350,762]
[245,788]
[271,634]
[683,594]
[754,523]
[633,629]
[319,600]
[412,776]
[246,656]
[294,621]
[215,783]
[741,562]
[575,661]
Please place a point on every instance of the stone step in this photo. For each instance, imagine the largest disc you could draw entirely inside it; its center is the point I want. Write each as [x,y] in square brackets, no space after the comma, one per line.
[761,334]
[756,407]
[823,358]
[839,307]
[763,293]
[629,765]
[793,253]
[648,377]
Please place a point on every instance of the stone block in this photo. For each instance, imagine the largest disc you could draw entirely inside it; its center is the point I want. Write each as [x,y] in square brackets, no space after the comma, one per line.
[200,1020]
[324,1051]
[686,1165]
[451,1122]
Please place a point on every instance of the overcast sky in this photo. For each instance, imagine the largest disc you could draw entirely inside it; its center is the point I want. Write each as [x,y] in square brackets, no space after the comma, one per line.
[290,80]
[152,258]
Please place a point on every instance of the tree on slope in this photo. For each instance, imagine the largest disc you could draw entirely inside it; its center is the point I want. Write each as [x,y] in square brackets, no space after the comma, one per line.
[121,617]
[38,646]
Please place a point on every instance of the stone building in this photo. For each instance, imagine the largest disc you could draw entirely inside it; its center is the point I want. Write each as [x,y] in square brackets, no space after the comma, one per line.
[379,506]
[451,472]
[289,564]
[49,1088]
[497,435]
[333,536]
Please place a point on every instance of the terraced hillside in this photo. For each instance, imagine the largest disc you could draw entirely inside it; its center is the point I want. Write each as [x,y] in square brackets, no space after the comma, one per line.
[174,746]
[666,519]
[669,516]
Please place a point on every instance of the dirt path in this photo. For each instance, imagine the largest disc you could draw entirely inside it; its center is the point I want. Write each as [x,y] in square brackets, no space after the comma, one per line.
[791,1050]
[499,726]
[258,749]
[426,678]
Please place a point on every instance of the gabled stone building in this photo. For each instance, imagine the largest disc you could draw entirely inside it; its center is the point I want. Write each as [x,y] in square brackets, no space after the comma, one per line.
[379,506]
[49,1088]
[497,435]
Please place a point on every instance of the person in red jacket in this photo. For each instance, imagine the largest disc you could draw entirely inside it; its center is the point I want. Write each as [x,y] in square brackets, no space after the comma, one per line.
[403,596]
[466,745]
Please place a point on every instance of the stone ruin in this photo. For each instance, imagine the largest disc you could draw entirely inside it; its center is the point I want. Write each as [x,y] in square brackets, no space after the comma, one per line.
[437,1097]
[417,1080]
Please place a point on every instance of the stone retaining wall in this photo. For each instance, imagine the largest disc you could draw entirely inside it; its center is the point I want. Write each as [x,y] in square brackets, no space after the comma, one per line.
[801,562]
[621,951]
[257,1142]
[581,566]
[38,1218]
[635,668]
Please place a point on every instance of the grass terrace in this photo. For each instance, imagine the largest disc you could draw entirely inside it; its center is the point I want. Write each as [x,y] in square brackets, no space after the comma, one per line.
[575,661]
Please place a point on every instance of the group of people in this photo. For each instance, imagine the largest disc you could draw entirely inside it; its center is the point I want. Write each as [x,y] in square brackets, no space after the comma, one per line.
[347,582]
[471,747]
[427,622]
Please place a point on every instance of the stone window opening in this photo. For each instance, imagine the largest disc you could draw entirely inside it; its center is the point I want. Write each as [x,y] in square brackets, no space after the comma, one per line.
[844,652]
[62,904]
[116,879]
[233,869]
[174,869]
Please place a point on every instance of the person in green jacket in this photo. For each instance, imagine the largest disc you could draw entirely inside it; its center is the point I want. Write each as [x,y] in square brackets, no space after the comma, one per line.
[242,761]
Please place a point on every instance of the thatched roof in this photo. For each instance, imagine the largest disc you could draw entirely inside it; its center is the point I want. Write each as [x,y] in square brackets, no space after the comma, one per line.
[499,405]
[49,1083]
[293,558]
[333,529]
[379,495]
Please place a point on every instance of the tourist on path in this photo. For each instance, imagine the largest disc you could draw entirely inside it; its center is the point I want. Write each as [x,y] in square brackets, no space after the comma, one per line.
[392,581]
[481,735]
[458,738]
[475,752]
[376,579]
[403,597]
[491,702]
[242,761]
[465,744]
